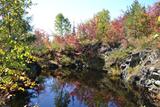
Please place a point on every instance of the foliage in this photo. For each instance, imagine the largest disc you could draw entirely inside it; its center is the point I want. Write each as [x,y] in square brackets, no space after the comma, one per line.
[137,21]
[62,25]
[61,43]
[14,22]
[103,21]
[115,71]
[65,60]
[87,30]
[41,43]
[119,54]
[14,52]
[11,80]
[96,27]
[116,32]
[154,12]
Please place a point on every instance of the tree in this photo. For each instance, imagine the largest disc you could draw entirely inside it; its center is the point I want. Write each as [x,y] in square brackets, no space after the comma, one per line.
[97,27]
[116,34]
[103,22]
[62,25]
[88,30]
[137,21]
[154,13]
[14,52]
[14,22]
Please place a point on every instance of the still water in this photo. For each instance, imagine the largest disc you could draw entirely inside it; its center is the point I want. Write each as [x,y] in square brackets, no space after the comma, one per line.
[87,89]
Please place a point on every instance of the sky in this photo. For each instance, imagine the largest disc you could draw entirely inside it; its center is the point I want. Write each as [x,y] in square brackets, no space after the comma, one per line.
[43,12]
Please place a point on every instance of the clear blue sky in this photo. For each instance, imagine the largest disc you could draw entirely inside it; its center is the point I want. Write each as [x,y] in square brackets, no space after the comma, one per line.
[44,12]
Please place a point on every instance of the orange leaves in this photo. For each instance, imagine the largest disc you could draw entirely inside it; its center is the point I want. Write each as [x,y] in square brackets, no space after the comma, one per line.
[68,40]
[42,38]
[116,32]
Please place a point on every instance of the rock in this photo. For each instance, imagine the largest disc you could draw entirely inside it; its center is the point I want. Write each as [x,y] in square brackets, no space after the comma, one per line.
[155,76]
[151,68]
[158,71]
[123,67]
[157,83]
[148,76]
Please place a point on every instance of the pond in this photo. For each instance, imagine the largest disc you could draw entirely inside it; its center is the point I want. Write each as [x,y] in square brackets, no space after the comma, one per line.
[85,89]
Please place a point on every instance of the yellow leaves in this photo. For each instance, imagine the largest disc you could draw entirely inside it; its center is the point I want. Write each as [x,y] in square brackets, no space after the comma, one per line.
[2,52]
[155,36]
[159,19]
[22,78]
[14,86]
[15,1]
[2,87]
[21,89]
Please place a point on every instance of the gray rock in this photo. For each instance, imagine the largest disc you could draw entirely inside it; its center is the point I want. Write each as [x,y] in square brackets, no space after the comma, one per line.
[151,68]
[157,83]
[158,71]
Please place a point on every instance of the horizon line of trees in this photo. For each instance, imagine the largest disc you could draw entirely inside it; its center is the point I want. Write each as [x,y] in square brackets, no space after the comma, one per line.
[135,23]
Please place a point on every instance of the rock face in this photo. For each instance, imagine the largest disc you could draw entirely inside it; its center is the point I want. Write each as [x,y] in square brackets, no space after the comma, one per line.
[148,74]
[140,69]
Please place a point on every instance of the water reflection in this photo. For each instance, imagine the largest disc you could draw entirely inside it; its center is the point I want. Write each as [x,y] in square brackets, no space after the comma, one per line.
[55,94]
[79,89]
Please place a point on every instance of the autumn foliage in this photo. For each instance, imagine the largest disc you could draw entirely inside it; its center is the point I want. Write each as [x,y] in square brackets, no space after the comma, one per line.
[133,25]
[42,38]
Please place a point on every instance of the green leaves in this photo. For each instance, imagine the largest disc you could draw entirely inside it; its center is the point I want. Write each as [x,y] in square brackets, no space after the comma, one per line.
[103,22]
[137,21]
[62,25]
[13,20]
[14,52]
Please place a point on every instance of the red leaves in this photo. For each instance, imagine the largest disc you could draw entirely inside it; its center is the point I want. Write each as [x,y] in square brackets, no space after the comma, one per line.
[42,38]
[89,30]
[154,13]
[59,40]
[71,40]
[116,31]
[68,40]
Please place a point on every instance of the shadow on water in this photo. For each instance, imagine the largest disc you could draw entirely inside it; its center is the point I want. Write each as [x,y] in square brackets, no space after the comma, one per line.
[78,89]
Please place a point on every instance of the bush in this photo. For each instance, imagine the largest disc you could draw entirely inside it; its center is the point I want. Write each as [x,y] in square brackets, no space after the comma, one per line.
[65,60]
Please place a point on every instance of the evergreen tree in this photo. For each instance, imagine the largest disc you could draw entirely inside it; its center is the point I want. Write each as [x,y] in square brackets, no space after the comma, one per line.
[137,21]
[62,25]
[103,22]
[14,23]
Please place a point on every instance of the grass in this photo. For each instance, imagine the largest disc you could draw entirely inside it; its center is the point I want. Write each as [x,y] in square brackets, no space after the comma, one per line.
[119,53]
[133,70]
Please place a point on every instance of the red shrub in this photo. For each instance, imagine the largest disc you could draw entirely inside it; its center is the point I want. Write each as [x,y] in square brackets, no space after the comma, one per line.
[154,13]
[88,29]
[42,38]
[116,31]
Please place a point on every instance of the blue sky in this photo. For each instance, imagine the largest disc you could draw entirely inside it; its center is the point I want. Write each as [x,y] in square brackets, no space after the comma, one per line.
[44,12]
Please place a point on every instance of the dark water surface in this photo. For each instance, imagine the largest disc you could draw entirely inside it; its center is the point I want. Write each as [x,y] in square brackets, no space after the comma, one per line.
[85,89]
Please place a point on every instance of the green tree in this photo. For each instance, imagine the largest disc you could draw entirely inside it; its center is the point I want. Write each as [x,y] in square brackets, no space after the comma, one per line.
[14,22]
[137,21]
[14,52]
[62,25]
[103,22]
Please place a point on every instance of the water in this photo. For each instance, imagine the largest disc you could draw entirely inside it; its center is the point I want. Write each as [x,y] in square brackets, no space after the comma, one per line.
[84,89]
[52,93]
[53,90]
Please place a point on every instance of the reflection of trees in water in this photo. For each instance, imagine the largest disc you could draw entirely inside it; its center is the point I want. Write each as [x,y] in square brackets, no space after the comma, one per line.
[93,97]
[95,89]
[20,99]
[62,98]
